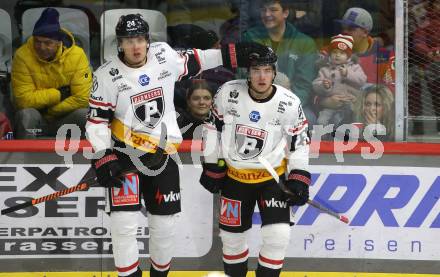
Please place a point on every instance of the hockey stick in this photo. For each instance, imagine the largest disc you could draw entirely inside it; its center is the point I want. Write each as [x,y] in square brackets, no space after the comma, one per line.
[311,202]
[154,160]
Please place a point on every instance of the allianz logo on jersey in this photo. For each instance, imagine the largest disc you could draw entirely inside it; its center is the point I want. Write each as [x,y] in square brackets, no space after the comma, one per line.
[272,203]
[164,74]
[166,198]
[144,80]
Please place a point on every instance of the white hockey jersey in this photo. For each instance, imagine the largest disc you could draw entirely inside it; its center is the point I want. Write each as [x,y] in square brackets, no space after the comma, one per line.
[130,103]
[275,128]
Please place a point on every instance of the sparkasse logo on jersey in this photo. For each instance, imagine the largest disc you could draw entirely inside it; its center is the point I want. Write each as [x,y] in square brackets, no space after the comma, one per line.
[144,80]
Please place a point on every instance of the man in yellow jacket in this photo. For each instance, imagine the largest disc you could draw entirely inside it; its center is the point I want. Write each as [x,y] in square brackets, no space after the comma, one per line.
[51,80]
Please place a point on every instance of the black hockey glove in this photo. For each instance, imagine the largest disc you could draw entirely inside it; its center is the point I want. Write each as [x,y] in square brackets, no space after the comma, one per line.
[298,183]
[237,55]
[213,176]
[108,169]
[65,92]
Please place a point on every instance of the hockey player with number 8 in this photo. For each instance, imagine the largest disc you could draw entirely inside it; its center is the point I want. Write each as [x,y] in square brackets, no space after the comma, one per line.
[132,96]
[256,118]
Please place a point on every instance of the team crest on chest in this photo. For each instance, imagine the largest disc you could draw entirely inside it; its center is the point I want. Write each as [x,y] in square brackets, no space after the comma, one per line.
[149,106]
[249,141]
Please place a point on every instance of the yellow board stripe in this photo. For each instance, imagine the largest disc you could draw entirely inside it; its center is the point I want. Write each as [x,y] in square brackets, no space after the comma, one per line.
[204,273]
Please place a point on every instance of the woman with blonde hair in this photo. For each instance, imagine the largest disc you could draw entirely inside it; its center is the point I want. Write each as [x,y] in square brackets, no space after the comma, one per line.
[376,106]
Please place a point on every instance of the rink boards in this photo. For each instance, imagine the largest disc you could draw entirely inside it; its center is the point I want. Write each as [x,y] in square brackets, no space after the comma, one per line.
[393,208]
[204,273]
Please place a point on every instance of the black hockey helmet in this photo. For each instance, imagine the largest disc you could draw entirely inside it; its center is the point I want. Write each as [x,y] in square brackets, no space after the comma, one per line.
[269,59]
[132,25]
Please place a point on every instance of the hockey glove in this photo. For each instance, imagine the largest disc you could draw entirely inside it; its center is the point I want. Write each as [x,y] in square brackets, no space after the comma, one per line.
[108,169]
[65,92]
[213,176]
[298,183]
[237,55]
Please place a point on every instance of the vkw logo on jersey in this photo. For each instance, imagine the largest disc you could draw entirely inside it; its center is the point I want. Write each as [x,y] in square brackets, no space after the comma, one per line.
[254,116]
[144,80]
[149,106]
[249,141]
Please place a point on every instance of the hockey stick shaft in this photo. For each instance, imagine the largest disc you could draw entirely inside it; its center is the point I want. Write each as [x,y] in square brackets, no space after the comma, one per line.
[311,202]
[155,159]
[82,186]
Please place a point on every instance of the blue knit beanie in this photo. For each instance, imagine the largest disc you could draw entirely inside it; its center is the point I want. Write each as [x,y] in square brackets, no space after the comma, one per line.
[48,25]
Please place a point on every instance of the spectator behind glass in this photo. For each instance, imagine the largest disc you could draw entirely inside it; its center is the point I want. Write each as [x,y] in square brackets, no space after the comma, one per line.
[376,62]
[376,106]
[340,75]
[51,80]
[198,101]
[296,51]
[230,29]
[427,47]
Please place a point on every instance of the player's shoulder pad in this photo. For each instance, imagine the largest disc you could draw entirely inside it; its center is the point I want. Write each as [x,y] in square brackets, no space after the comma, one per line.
[107,66]
[230,88]
[287,94]
[156,46]
[233,84]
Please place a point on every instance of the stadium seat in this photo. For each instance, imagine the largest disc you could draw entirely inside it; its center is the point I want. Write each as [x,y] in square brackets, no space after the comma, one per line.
[74,20]
[5,43]
[5,64]
[156,20]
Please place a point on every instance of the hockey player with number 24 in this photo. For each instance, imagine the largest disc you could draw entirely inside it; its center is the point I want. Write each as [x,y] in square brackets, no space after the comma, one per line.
[256,118]
[131,98]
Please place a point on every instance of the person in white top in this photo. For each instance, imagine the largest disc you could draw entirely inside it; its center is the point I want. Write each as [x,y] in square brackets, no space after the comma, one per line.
[257,119]
[131,97]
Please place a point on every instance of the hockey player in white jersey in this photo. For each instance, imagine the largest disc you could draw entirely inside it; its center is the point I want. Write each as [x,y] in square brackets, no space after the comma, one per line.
[132,96]
[256,118]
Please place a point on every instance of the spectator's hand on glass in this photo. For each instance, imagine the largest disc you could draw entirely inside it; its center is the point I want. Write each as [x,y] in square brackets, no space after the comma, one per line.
[343,70]
[327,83]
[334,101]
[350,98]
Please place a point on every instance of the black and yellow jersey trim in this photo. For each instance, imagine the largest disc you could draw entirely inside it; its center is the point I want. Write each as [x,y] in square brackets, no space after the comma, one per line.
[254,176]
[140,141]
